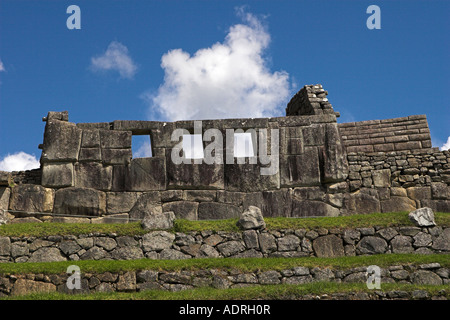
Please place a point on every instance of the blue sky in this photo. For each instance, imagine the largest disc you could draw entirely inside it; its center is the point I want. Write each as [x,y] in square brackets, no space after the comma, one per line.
[171,60]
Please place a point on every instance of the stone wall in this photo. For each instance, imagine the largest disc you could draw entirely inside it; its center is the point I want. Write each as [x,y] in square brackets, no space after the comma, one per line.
[251,243]
[135,281]
[324,168]
[407,133]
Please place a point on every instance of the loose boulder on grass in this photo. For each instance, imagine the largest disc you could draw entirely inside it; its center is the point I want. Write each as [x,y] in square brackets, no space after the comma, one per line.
[251,218]
[423,217]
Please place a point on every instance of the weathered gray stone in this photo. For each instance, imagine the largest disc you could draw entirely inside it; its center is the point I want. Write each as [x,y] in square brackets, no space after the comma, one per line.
[216,210]
[32,198]
[120,202]
[115,139]
[162,220]
[311,208]
[94,253]
[62,141]
[127,281]
[424,277]
[269,277]
[93,175]
[5,246]
[69,247]
[300,170]
[398,204]
[360,202]
[26,286]
[387,233]
[5,194]
[251,219]
[401,244]
[381,178]
[328,246]
[127,253]
[371,245]
[422,240]
[106,243]
[145,174]
[267,242]
[334,159]
[157,240]
[148,202]
[288,243]
[172,254]
[423,217]
[247,178]
[442,242]
[45,254]
[80,201]
[230,248]
[182,209]
[57,175]
[440,190]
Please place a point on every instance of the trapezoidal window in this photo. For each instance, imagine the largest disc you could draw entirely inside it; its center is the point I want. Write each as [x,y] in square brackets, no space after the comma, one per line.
[141,146]
[243,145]
[193,146]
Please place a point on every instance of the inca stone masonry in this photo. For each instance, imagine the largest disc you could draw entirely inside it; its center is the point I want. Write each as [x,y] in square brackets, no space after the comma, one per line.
[325,169]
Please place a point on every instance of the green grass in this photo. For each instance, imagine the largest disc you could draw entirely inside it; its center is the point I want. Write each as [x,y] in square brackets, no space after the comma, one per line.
[229,225]
[242,264]
[266,292]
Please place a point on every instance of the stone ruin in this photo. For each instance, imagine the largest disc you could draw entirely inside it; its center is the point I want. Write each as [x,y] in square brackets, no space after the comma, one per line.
[325,169]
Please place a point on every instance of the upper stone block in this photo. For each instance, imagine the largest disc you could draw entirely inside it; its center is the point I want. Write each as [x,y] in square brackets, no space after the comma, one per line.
[62,141]
[310,100]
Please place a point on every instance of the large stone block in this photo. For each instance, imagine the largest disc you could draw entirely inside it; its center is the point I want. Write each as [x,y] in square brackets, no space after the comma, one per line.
[276,203]
[120,202]
[328,246]
[32,198]
[182,209]
[80,201]
[311,208]
[116,156]
[57,175]
[334,160]
[398,204]
[62,141]
[193,176]
[113,139]
[381,178]
[90,138]
[300,170]
[247,177]
[440,190]
[216,211]
[145,174]
[5,194]
[93,175]
[361,202]
[147,203]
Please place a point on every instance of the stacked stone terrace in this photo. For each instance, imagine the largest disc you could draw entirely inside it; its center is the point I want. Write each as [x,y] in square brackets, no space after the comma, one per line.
[325,168]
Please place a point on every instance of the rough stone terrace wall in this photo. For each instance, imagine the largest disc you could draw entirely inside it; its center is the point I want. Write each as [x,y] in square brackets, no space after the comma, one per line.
[407,133]
[135,281]
[325,168]
[247,244]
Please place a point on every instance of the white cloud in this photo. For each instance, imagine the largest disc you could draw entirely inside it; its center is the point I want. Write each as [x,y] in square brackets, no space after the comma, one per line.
[446,145]
[2,67]
[227,80]
[115,58]
[19,161]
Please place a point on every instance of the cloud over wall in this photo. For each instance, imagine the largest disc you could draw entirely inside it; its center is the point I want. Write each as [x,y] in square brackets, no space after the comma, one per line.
[230,79]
